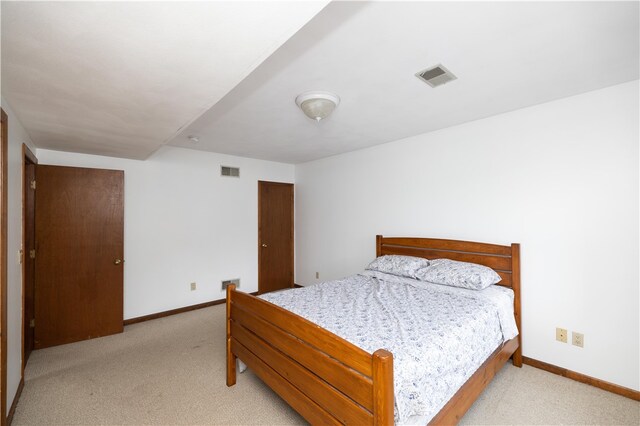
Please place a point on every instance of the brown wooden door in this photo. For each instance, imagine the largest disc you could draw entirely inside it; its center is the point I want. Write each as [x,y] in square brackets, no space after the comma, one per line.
[29,262]
[79,254]
[4,175]
[275,236]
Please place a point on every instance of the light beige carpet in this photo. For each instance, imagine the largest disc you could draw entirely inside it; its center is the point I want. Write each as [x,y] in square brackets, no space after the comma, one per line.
[172,371]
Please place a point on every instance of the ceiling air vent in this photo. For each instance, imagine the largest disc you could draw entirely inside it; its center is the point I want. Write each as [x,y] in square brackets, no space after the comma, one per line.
[436,76]
[229,171]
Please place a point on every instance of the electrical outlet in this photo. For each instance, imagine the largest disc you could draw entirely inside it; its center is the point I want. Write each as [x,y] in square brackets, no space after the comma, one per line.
[317,275]
[227,283]
[577,339]
[193,286]
[561,335]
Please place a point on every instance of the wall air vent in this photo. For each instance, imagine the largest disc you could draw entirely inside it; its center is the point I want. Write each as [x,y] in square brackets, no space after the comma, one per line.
[227,283]
[229,171]
[436,76]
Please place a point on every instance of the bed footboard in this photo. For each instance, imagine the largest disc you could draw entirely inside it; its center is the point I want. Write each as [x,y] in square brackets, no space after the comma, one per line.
[322,376]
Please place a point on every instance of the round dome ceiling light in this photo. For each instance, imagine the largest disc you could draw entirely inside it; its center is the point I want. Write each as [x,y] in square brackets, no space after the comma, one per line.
[317,105]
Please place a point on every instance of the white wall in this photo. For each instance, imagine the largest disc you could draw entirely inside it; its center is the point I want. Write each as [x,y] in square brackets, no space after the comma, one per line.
[560,178]
[17,136]
[184,223]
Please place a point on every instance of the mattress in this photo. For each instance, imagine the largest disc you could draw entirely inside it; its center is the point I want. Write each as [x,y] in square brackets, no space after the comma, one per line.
[438,335]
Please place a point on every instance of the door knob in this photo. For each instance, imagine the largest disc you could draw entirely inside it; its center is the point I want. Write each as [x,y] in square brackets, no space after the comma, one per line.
[117,261]
[264,245]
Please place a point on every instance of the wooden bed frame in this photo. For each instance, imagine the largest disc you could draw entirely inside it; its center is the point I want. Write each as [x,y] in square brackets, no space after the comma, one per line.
[331,381]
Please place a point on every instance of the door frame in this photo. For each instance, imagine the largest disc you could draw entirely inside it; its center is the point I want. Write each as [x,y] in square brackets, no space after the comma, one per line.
[3,265]
[28,157]
[262,183]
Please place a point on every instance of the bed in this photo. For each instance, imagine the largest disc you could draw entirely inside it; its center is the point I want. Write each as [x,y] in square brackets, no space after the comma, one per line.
[329,380]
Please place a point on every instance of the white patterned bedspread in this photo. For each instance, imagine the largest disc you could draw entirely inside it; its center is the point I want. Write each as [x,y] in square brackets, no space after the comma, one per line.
[438,335]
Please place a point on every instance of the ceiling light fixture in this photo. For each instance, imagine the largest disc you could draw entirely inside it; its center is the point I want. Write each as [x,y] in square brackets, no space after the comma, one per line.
[317,105]
[194,139]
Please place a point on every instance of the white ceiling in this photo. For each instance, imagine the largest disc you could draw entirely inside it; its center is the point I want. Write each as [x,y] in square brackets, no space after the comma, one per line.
[506,55]
[121,78]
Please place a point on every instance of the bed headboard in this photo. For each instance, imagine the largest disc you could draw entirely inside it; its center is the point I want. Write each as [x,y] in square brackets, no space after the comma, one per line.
[505,260]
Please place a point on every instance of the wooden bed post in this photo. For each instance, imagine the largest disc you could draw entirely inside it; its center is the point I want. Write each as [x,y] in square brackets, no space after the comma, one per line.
[378,245]
[382,387]
[515,274]
[231,358]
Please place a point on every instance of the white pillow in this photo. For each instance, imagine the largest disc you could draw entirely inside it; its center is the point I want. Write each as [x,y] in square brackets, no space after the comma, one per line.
[458,274]
[403,266]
